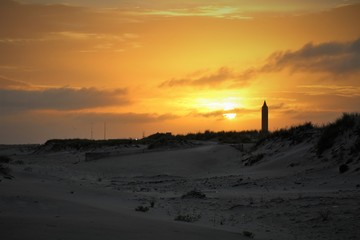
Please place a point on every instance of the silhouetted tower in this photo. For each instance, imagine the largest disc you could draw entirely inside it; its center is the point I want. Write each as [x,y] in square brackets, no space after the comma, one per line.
[264,118]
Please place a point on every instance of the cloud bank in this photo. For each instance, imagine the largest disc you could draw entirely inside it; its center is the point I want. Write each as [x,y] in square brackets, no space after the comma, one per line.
[330,57]
[60,98]
[334,58]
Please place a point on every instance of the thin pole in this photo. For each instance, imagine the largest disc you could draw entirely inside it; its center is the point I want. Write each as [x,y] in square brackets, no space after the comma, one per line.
[91,132]
[104,130]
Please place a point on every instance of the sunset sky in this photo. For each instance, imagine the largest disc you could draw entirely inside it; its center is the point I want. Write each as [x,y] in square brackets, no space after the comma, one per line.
[173,66]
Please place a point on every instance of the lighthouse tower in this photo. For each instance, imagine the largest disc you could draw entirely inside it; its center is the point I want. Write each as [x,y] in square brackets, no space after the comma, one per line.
[264,118]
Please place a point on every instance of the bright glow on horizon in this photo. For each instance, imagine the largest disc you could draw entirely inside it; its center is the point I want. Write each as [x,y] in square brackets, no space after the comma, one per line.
[229,116]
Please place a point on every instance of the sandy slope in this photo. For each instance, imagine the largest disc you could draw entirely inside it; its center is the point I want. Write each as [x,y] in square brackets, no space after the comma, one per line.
[33,209]
[199,161]
[289,194]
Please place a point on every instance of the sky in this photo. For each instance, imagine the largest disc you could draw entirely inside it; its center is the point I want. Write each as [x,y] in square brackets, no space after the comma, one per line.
[141,67]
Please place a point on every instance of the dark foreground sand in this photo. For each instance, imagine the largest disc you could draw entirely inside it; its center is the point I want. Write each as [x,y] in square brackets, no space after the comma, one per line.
[289,195]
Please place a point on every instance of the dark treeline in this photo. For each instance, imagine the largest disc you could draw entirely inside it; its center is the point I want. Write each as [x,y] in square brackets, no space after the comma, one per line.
[326,135]
[222,136]
[154,140]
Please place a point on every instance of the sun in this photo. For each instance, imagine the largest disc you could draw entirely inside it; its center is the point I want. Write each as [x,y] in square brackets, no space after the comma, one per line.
[229,116]
[227,107]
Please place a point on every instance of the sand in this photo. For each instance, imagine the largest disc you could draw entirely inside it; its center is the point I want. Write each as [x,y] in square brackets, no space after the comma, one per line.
[288,194]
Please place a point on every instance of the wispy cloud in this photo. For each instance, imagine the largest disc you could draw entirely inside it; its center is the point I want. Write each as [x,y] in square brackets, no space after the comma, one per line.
[338,90]
[6,83]
[202,11]
[91,42]
[213,79]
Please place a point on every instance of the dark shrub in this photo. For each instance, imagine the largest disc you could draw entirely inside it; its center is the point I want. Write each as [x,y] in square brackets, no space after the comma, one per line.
[18,162]
[82,144]
[295,134]
[248,234]
[141,209]
[187,218]
[5,159]
[333,130]
[324,215]
[343,168]
[5,171]
[253,159]
[356,147]
[194,194]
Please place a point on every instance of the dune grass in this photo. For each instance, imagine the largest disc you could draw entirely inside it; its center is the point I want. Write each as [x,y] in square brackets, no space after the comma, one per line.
[332,130]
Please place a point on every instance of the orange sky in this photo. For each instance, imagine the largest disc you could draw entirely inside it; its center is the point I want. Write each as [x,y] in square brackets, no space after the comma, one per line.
[173,66]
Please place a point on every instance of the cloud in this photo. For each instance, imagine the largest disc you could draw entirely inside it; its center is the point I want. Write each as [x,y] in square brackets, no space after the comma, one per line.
[60,98]
[60,28]
[232,8]
[6,83]
[23,23]
[214,79]
[200,11]
[330,57]
[336,58]
[333,58]
[331,90]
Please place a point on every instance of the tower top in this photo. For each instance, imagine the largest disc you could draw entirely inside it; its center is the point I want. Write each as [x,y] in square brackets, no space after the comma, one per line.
[264,104]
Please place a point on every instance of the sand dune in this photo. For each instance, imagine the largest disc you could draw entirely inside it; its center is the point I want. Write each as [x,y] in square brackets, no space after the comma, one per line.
[279,189]
[50,210]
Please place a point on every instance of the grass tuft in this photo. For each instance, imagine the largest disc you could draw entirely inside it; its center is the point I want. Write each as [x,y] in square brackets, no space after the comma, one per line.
[194,194]
[248,234]
[333,130]
[5,159]
[141,209]
[188,218]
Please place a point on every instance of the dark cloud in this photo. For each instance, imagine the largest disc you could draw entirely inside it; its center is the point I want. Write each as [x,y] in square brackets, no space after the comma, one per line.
[331,57]
[24,20]
[60,98]
[336,58]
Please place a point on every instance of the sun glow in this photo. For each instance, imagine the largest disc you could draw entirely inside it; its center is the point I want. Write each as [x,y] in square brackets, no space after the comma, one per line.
[229,116]
[228,106]
[221,107]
